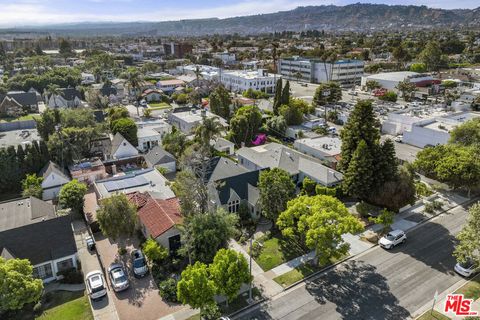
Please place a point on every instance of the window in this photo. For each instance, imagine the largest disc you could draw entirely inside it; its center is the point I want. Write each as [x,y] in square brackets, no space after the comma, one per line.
[233,206]
[65,264]
[43,272]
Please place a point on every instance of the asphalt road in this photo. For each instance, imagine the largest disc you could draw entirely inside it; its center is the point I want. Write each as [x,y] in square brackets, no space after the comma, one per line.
[380,284]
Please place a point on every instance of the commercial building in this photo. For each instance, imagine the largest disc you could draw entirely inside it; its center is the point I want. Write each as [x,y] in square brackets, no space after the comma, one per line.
[435,131]
[346,72]
[240,80]
[390,80]
[177,50]
[326,149]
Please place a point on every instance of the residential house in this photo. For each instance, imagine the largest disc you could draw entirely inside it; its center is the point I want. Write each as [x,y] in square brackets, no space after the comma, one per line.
[16,103]
[298,165]
[223,145]
[68,98]
[186,121]
[170,85]
[159,158]
[30,229]
[148,138]
[54,178]
[121,148]
[327,149]
[120,86]
[230,185]
[88,78]
[88,171]
[101,147]
[152,95]
[158,218]
[142,180]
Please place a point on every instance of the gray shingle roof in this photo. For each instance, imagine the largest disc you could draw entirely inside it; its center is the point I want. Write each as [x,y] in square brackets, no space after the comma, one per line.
[40,242]
[53,167]
[220,168]
[240,183]
[158,155]
[24,211]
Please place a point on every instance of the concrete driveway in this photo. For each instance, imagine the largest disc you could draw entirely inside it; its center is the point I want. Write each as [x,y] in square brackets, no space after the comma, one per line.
[141,300]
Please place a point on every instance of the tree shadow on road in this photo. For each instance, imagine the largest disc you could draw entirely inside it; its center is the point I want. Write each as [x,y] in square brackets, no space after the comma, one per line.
[358,292]
[432,244]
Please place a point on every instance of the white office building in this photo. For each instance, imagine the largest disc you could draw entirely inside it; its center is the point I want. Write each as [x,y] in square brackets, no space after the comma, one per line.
[346,72]
[242,80]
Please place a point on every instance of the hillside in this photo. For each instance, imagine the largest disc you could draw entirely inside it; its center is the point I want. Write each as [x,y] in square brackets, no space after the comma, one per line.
[355,17]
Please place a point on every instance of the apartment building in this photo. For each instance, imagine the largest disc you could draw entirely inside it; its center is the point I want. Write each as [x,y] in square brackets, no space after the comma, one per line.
[346,72]
[242,80]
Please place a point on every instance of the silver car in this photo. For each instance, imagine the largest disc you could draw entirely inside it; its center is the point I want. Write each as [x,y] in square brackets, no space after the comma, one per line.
[467,269]
[118,277]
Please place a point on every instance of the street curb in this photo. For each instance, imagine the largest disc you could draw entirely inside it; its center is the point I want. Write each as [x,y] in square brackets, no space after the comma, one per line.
[233,314]
[376,245]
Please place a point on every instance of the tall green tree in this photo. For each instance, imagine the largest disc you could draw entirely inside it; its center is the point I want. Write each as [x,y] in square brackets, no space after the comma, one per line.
[468,247]
[277,99]
[192,193]
[71,195]
[407,88]
[229,271]
[361,125]
[175,142]
[385,218]
[208,130]
[244,125]
[46,123]
[320,221]
[204,234]
[276,189]
[291,113]
[432,57]
[286,93]
[18,287]
[32,186]
[220,102]
[154,251]
[127,128]
[467,134]
[117,216]
[321,97]
[359,177]
[195,287]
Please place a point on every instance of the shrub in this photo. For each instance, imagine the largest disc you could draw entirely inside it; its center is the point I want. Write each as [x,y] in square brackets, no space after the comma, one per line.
[321,190]
[364,209]
[422,190]
[389,96]
[431,207]
[256,249]
[38,308]
[122,251]
[71,276]
[309,186]
[244,213]
[167,289]
[154,251]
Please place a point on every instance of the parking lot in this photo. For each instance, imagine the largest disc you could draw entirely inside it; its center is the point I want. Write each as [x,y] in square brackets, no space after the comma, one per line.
[404,151]
[141,300]
[17,137]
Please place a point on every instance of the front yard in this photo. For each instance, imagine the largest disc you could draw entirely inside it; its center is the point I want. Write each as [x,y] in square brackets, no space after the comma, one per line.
[277,250]
[74,309]
[158,105]
[471,289]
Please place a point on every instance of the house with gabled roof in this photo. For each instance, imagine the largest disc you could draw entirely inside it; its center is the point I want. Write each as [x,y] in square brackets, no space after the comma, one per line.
[54,178]
[121,148]
[160,158]
[30,229]
[158,218]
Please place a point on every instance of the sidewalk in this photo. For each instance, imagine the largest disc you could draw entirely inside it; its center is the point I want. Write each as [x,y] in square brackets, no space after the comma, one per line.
[57,286]
[105,308]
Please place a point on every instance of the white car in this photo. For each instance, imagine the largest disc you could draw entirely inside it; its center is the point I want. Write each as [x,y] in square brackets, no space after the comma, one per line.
[399,139]
[95,285]
[392,239]
[118,277]
[466,269]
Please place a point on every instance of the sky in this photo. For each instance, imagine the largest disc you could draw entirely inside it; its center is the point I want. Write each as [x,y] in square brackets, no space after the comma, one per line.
[40,12]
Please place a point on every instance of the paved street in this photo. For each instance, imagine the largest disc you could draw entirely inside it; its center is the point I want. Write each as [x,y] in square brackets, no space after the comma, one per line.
[379,284]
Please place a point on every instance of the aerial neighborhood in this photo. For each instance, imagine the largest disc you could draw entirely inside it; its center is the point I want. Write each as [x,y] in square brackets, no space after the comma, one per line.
[240,169]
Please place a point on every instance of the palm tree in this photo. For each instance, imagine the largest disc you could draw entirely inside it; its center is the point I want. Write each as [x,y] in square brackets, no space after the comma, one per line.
[133,81]
[53,90]
[209,129]
[198,73]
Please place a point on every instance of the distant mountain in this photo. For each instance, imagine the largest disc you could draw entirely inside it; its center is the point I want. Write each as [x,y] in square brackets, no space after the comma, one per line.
[355,17]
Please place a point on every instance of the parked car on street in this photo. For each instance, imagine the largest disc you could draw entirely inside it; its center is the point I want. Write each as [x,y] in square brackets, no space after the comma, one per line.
[139,264]
[118,277]
[399,139]
[392,239]
[95,284]
[467,269]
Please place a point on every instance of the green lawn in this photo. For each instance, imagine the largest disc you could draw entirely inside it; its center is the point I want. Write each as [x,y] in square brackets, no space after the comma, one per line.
[68,306]
[278,250]
[433,316]
[25,117]
[471,289]
[300,273]
[158,105]
[194,317]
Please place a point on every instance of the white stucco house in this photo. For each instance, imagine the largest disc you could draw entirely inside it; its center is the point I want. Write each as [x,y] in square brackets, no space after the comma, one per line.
[121,148]
[54,178]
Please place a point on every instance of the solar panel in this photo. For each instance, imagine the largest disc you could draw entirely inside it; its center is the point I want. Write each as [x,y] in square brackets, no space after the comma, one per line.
[126,183]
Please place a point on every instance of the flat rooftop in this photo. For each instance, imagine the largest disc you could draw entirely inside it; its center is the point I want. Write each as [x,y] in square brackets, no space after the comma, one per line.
[328,145]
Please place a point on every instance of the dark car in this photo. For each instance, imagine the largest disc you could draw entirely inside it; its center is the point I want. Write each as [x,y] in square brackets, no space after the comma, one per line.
[139,264]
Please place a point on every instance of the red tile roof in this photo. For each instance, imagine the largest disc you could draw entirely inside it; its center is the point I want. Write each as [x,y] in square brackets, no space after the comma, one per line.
[157,215]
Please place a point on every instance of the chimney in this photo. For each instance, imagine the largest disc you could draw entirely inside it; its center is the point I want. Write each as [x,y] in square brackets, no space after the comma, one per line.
[114,169]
